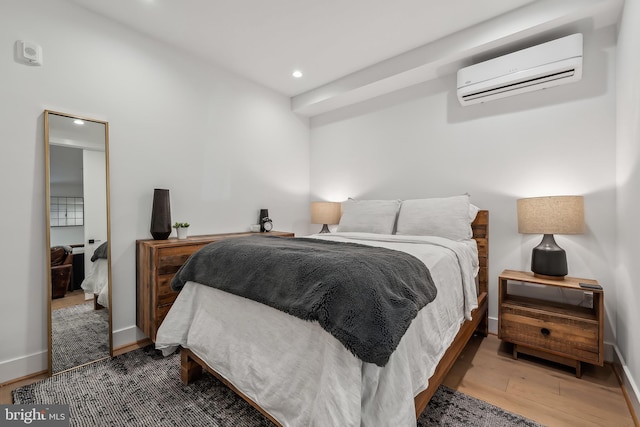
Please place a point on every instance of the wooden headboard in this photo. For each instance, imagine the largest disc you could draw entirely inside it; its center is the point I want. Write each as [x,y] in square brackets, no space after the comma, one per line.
[480,227]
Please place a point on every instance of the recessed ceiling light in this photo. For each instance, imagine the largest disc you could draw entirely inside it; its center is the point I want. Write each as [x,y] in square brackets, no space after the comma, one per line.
[297,74]
[78,122]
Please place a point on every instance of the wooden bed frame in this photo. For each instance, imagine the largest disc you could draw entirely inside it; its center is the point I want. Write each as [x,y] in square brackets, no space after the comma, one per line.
[191,365]
[96,304]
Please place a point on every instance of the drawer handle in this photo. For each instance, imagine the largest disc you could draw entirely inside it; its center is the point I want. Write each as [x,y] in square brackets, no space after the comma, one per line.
[545,332]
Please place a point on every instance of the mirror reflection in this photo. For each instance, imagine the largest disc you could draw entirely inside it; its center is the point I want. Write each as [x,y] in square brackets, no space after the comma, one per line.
[78,233]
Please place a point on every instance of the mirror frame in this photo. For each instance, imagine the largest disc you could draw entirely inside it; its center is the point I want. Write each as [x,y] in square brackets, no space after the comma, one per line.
[47,161]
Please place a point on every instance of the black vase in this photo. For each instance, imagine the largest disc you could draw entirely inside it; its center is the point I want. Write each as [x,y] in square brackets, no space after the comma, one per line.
[161,215]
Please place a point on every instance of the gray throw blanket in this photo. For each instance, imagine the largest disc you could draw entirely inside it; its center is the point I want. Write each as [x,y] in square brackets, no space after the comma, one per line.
[364,296]
[100,252]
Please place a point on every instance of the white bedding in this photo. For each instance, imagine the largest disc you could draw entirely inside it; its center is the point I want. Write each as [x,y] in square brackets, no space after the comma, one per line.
[303,376]
[97,281]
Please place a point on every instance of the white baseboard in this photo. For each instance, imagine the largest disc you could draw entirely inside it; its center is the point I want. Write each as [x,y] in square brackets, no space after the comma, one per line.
[23,366]
[127,336]
[493,325]
[11,370]
[628,382]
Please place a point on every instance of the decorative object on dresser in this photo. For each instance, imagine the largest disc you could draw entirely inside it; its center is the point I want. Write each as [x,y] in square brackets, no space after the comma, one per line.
[325,213]
[557,331]
[266,224]
[549,216]
[182,229]
[157,261]
[161,214]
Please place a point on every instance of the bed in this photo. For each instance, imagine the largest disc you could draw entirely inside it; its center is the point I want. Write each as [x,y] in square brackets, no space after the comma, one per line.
[96,282]
[314,379]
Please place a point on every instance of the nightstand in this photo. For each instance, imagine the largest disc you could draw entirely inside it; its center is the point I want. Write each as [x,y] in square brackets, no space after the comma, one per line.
[560,332]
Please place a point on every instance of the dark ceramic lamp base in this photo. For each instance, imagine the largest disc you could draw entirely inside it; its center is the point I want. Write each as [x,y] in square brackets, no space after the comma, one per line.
[325,229]
[548,260]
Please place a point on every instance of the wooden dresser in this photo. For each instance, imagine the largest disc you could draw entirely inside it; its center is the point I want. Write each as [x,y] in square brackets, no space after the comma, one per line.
[157,261]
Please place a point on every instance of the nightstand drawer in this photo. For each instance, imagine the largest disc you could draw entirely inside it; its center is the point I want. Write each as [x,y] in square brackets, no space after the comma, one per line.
[564,335]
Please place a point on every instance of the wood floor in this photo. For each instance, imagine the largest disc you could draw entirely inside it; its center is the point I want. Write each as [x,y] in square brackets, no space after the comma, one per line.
[71,298]
[542,391]
[545,392]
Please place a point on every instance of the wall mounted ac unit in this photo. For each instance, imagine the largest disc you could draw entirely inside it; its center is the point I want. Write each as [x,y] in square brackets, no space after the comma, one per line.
[550,64]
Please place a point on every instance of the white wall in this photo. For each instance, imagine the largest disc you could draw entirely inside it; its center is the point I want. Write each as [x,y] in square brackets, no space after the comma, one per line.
[421,143]
[68,184]
[67,236]
[94,184]
[225,148]
[628,179]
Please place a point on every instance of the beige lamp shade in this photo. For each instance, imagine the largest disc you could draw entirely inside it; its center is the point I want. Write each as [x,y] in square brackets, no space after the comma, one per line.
[325,212]
[551,215]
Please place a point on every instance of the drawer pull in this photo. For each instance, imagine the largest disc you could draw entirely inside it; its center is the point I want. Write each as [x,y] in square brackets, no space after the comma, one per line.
[545,332]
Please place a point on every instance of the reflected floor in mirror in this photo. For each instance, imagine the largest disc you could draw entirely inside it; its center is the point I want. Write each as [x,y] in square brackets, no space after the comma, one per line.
[80,334]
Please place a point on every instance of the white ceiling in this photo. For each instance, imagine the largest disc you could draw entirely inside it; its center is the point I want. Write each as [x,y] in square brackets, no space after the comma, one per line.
[352,50]
[326,39]
[88,135]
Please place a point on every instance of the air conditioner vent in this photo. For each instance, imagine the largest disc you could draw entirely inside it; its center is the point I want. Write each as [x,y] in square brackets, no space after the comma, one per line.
[550,64]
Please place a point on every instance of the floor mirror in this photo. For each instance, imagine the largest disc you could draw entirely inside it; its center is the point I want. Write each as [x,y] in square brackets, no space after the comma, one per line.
[78,235]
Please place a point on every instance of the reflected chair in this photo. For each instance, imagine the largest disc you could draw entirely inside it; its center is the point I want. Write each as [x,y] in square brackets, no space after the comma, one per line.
[61,270]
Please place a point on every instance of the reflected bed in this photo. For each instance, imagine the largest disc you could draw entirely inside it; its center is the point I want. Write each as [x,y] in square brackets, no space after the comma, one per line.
[96,282]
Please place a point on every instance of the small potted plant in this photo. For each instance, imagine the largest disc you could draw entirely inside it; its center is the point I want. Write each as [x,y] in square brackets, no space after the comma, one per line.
[181,229]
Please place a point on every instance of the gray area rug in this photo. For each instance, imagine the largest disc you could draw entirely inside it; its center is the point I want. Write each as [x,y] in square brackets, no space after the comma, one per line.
[141,388]
[79,335]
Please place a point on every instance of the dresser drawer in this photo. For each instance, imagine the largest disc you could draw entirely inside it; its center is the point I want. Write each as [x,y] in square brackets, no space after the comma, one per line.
[165,295]
[157,262]
[161,313]
[566,336]
[171,259]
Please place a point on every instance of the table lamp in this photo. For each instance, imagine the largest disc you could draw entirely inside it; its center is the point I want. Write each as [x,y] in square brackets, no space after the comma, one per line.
[549,216]
[325,213]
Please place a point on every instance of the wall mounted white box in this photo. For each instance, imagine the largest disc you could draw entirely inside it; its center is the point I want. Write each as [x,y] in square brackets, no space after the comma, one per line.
[29,53]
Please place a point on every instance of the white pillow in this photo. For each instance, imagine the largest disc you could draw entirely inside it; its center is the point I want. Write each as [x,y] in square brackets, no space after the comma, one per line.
[448,217]
[369,216]
[473,212]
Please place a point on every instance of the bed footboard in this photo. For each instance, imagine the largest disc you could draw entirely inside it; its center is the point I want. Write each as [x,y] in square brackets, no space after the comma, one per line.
[96,304]
[190,366]
[191,369]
